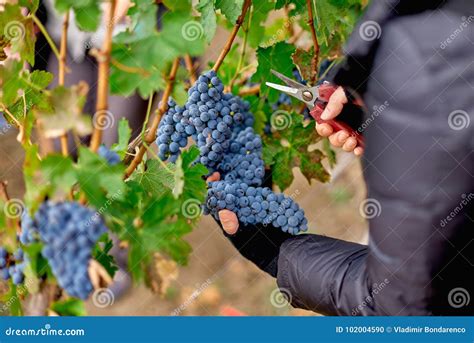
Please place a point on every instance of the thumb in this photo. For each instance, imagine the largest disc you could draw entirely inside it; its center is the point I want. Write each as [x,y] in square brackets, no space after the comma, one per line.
[229,221]
[335,104]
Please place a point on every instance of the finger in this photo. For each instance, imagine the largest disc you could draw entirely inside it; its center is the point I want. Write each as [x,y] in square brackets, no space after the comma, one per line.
[214,177]
[333,139]
[342,136]
[335,104]
[350,144]
[358,151]
[229,221]
[324,129]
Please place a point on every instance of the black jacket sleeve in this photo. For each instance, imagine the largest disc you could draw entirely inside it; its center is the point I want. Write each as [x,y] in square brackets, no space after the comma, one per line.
[419,170]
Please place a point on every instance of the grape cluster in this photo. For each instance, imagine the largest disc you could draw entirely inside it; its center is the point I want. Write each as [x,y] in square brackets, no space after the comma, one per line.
[69,231]
[12,265]
[110,156]
[256,205]
[209,116]
[243,162]
[173,132]
[221,125]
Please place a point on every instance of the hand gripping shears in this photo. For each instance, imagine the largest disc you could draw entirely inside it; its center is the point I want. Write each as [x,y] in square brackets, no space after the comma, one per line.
[316,99]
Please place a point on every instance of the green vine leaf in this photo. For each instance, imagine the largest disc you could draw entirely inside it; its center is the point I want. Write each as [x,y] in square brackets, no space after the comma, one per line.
[124,134]
[288,148]
[277,57]
[141,55]
[259,17]
[87,12]
[19,32]
[231,9]
[208,18]
[102,255]
[105,183]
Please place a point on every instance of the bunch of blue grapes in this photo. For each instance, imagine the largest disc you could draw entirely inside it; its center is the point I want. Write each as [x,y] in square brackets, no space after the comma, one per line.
[243,162]
[69,232]
[209,116]
[173,132]
[12,265]
[255,205]
[110,156]
[221,125]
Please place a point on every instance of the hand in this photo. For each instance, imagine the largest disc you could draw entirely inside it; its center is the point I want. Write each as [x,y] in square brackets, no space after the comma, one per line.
[340,138]
[258,243]
[228,219]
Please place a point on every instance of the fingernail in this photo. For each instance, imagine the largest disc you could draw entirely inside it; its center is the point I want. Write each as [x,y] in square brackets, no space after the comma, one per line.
[343,136]
[325,115]
[324,131]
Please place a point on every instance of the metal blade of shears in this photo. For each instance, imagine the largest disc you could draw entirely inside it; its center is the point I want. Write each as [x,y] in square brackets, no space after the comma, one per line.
[287,80]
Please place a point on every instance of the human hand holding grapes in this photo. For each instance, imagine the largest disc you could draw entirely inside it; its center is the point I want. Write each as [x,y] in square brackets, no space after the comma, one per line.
[228,219]
[340,138]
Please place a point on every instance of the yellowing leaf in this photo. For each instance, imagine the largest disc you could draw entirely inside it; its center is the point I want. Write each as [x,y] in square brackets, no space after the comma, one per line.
[66,113]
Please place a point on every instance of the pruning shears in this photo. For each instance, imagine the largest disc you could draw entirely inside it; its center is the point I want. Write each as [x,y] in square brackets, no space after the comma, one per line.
[316,99]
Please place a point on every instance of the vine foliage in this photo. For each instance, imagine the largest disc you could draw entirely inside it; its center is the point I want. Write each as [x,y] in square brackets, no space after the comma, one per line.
[149,205]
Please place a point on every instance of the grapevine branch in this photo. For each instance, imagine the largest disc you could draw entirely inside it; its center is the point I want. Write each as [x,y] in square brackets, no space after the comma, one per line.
[151,134]
[315,59]
[190,67]
[62,74]
[232,36]
[3,191]
[103,59]
[255,89]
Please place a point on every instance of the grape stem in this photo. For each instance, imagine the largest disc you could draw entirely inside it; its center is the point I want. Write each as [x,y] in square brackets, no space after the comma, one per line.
[46,36]
[315,59]
[62,74]
[230,41]
[190,67]
[242,53]
[128,69]
[151,134]
[103,59]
